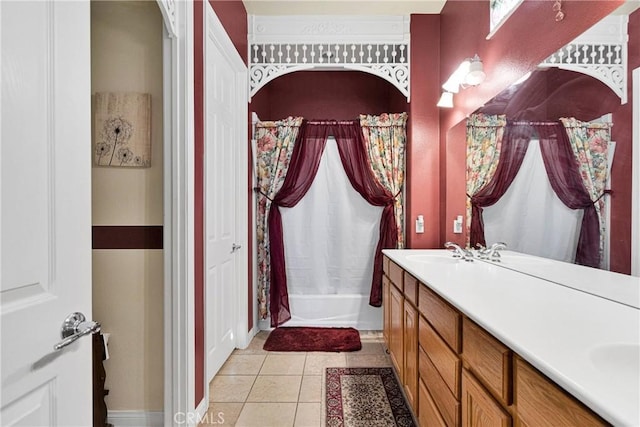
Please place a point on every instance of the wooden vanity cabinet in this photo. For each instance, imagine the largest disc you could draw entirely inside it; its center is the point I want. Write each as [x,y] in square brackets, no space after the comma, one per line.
[540,402]
[411,353]
[386,318]
[394,307]
[455,373]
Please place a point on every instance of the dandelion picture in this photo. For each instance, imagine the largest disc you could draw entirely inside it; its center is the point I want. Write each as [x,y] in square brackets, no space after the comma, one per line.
[122,130]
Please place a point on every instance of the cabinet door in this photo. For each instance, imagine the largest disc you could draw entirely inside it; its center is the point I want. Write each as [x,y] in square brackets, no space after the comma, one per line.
[396,335]
[386,307]
[479,409]
[541,402]
[410,353]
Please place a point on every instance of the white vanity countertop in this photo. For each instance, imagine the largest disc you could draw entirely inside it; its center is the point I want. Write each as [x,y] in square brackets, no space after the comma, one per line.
[587,344]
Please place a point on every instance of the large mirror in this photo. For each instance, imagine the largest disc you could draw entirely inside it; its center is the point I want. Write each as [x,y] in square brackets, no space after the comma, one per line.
[546,95]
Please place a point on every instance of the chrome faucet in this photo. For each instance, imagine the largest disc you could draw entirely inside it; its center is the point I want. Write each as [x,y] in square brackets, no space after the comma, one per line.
[459,252]
[491,253]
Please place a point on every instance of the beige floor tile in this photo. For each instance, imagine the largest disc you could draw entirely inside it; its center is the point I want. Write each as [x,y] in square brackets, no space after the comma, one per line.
[232,388]
[368,361]
[270,414]
[369,347]
[283,364]
[256,344]
[317,362]
[242,364]
[308,415]
[222,414]
[275,388]
[311,388]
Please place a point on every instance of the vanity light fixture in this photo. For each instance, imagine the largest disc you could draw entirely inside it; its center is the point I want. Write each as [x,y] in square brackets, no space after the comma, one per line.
[469,73]
[446,100]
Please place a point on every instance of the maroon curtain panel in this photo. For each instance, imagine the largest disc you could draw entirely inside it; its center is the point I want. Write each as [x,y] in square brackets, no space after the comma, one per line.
[303,167]
[351,147]
[564,176]
[514,146]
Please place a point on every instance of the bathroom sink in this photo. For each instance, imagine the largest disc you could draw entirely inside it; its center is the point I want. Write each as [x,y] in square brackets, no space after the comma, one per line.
[619,360]
[433,259]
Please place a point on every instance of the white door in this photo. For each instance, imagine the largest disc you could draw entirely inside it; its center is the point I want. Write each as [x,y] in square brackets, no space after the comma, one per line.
[45,191]
[220,201]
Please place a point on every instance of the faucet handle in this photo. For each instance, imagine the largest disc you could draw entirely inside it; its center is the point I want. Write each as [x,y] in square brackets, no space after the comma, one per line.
[498,245]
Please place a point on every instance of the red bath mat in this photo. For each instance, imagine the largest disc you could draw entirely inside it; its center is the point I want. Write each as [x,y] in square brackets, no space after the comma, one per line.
[303,338]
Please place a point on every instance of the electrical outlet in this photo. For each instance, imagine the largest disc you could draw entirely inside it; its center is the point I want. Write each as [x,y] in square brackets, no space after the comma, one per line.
[457,225]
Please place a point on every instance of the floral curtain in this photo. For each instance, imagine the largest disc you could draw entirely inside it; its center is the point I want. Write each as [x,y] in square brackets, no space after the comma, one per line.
[275,142]
[385,138]
[303,168]
[515,143]
[590,145]
[484,143]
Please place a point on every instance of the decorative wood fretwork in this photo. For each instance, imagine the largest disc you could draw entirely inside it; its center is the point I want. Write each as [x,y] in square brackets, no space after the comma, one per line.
[376,45]
[601,52]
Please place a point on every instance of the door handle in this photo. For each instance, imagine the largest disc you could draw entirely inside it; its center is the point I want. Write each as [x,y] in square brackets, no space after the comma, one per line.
[75,326]
[235,247]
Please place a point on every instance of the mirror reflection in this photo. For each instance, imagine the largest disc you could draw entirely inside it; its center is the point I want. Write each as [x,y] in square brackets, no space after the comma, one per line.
[551,195]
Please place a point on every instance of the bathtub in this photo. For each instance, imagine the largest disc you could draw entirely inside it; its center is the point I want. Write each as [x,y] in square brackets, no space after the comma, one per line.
[335,310]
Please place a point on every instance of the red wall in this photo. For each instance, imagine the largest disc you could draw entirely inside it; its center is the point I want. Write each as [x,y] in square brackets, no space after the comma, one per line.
[233,17]
[338,95]
[198,77]
[423,151]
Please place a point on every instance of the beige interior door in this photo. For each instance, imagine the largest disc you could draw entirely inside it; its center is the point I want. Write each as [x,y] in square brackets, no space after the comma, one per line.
[45,190]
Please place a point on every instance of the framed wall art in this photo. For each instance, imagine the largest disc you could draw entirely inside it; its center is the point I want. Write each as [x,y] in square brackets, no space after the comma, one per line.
[122,132]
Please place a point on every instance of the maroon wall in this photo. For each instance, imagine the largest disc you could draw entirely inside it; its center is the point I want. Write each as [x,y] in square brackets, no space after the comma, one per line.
[423,153]
[338,95]
[198,168]
[233,17]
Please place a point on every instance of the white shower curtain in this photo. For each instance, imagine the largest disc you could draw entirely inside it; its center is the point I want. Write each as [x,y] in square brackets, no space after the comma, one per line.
[330,237]
[530,218]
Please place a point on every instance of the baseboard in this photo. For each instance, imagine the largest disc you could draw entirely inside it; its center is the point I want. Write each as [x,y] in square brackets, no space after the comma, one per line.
[264,325]
[136,418]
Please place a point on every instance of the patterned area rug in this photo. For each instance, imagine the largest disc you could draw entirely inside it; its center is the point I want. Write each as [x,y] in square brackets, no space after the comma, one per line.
[365,397]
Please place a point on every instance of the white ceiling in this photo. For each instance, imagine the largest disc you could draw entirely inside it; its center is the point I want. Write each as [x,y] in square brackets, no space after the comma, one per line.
[344,7]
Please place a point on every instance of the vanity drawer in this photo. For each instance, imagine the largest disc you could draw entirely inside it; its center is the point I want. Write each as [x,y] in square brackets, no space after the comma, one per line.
[488,359]
[385,264]
[428,414]
[445,361]
[540,402]
[410,288]
[444,318]
[445,401]
[395,275]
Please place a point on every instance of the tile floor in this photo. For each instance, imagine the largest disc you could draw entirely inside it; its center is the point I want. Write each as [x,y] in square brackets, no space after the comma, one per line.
[272,389]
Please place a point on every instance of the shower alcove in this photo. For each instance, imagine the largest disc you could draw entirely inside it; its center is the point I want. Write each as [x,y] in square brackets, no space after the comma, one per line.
[328,67]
